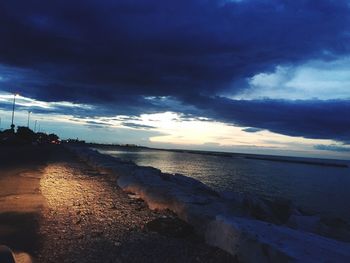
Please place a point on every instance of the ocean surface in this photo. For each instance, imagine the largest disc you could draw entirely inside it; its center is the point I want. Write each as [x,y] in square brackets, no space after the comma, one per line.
[315,188]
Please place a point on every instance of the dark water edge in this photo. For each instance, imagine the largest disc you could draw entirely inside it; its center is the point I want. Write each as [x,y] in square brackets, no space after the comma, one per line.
[315,185]
[273,158]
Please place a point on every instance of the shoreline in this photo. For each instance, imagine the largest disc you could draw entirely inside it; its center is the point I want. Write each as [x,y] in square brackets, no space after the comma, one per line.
[264,157]
[316,190]
[229,221]
[91,207]
[85,217]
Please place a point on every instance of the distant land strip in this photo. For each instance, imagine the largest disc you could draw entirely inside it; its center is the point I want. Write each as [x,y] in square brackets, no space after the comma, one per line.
[341,165]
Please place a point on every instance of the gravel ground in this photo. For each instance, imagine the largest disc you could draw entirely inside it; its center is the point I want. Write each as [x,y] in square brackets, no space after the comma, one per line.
[89,219]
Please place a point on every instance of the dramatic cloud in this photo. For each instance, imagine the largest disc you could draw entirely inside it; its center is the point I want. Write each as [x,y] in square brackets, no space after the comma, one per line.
[316,119]
[133,57]
[311,80]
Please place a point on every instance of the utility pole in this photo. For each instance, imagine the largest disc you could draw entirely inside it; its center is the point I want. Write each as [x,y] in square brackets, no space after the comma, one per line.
[29,112]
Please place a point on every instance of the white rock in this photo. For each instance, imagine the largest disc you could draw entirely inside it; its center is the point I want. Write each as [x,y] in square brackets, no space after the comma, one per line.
[257,241]
[305,223]
[250,240]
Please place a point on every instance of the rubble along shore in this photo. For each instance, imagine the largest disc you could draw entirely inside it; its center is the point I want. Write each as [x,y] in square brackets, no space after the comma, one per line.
[245,226]
[57,208]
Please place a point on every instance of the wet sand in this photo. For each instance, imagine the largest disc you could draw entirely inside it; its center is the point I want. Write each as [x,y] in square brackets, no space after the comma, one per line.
[58,209]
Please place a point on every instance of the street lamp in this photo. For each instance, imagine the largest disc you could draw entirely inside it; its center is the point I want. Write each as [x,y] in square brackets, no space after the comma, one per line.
[13,111]
[29,112]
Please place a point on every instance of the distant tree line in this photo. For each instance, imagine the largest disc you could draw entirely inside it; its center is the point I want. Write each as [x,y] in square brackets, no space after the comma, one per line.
[24,136]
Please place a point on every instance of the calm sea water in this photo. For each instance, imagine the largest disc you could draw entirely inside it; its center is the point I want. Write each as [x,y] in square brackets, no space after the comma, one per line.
[320,189]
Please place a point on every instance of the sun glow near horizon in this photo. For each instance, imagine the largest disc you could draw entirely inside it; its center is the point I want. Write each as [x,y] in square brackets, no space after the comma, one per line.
[168,129]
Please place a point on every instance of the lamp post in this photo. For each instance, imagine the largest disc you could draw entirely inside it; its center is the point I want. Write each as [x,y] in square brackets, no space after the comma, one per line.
[13,111]
[29,112]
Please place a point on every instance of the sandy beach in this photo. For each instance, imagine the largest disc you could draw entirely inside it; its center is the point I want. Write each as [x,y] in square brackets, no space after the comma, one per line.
[55,208]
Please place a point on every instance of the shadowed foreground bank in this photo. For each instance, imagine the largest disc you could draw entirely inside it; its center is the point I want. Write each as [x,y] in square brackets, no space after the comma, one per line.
[58,209]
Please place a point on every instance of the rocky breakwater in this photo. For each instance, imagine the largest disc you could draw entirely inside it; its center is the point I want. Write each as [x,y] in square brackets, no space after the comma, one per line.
[249,228]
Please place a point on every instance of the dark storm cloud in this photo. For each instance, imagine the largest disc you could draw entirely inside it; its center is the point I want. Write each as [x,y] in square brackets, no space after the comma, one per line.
[96,50]
[308,118]
[114,54]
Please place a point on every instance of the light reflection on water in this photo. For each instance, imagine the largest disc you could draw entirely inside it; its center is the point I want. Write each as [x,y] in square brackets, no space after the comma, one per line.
[321,189]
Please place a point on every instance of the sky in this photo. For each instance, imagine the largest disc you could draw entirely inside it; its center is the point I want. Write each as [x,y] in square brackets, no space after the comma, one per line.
[255,76]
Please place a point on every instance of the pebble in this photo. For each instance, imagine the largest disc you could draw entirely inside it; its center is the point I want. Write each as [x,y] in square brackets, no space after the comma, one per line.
[81,223]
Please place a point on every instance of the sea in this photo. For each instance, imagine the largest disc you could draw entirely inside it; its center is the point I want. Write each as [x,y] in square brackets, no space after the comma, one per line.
[317,186]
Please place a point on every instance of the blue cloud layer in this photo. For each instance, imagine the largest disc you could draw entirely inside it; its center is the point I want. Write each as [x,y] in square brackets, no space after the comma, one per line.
[116,54]
[316,119]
